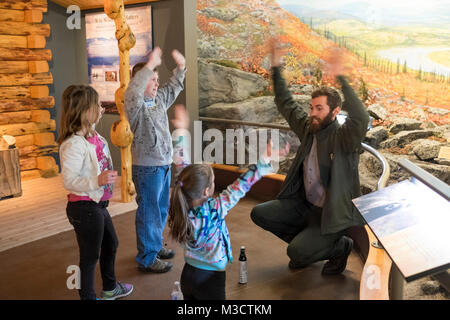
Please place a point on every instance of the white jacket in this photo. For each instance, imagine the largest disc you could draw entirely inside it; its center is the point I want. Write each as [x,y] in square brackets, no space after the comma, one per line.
[80,167]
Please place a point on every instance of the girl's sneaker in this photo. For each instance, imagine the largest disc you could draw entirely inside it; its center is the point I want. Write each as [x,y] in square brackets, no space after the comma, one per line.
[121,290]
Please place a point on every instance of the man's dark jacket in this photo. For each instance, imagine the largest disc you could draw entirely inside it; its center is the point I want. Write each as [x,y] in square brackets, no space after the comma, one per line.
[338,150]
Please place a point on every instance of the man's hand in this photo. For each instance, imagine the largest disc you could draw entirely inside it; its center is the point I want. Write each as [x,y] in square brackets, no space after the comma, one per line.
[155,58]
[335,63]
[181,117]
[276,52]
[179,59]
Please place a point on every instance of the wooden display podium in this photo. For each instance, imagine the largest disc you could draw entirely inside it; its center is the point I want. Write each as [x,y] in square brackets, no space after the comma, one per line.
[10,185]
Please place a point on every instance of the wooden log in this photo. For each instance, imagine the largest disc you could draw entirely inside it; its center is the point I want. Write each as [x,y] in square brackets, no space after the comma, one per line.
[7,41]
[45,163]
[49,173]
[15,117]
[37,92]
[25,116]
[30,174]
[37,66]
[29,16]
[33,16]
[24,4]
[21,54]
[14,92]
[7,67]
[36,151]
[28,163]
[26,140]
[38,139]
[9,105]
[44,139]
[40,116]
[24,29]
[19,129]
[10,184]
[12,15]
[36,42]
[13,66]
[25,79]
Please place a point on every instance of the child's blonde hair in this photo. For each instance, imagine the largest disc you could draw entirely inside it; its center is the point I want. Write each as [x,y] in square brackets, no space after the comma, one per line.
[77,101]
[191,183]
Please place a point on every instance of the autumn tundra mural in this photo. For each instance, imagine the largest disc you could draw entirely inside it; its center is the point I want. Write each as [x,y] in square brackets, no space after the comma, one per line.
[397,55]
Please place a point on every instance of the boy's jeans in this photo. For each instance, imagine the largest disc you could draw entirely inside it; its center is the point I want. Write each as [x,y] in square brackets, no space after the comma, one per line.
[152,187]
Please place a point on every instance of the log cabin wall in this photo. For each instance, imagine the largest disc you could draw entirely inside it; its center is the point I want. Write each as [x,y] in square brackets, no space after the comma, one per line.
[24,80]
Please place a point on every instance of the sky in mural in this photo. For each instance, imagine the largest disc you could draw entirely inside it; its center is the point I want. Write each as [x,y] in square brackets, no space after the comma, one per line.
[386,12]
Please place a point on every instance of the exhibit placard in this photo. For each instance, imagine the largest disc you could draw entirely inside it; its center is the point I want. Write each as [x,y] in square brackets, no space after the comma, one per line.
[103,51]
[412,223]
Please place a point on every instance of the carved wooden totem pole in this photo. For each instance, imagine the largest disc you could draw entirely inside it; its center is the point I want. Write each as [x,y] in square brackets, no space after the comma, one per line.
[121,134]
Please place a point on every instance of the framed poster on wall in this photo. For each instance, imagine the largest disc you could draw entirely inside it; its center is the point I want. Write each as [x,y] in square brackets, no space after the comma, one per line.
[103,51]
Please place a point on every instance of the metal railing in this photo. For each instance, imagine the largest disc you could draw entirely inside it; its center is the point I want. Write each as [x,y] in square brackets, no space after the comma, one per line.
[386,168]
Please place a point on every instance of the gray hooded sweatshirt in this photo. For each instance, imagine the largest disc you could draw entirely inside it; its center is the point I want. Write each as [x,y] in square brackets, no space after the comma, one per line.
[152,143]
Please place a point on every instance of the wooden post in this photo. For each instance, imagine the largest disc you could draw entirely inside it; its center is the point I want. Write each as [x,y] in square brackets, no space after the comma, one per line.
[121,134]
[10,173]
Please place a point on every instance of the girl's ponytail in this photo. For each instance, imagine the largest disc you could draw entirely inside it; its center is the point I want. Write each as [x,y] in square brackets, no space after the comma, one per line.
[191,183]
[180,226]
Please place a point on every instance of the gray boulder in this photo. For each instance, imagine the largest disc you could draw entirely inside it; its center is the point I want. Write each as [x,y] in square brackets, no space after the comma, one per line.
[221,13]
[376,135]
[418,114]
[426,149]
[261,109]
[371,167]
[224,84]
[305,89]
[206,49]
[403,138]
[377,111]
[438,111]
[430,287]
[404,124]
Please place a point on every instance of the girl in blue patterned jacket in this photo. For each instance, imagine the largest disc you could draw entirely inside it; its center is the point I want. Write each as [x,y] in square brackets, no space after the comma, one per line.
[197,220]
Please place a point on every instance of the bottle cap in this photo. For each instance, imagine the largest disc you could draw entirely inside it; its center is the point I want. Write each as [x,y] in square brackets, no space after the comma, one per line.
[242,247]
[177,283]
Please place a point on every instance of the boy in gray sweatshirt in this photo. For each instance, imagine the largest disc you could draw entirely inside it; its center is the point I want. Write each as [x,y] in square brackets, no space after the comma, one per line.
[146,106]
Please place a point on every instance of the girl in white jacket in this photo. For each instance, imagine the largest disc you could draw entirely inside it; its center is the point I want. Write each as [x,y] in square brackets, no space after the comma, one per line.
[88,175]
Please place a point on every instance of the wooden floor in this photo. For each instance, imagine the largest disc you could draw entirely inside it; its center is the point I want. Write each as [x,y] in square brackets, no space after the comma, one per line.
[37,270]
[41,212]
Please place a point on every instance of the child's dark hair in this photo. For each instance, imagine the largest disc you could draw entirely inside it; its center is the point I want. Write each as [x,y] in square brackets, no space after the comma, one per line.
[138,66]
[191,183]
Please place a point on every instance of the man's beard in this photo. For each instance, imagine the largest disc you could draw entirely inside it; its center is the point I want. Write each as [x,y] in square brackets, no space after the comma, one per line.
[316,127]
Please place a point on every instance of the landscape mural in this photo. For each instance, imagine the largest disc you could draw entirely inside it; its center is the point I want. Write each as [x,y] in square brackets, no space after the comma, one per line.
[397,57]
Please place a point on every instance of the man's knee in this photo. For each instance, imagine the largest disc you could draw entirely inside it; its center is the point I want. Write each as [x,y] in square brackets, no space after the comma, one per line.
[256,214]
[299,254]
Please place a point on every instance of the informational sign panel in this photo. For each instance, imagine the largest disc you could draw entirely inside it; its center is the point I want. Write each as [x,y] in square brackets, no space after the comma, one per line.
[103,51]
[412,223]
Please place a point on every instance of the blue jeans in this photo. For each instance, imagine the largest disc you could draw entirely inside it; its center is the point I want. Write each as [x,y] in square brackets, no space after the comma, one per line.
[153,193]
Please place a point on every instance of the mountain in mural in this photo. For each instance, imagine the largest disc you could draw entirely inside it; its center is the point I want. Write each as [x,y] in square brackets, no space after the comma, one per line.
[238,33]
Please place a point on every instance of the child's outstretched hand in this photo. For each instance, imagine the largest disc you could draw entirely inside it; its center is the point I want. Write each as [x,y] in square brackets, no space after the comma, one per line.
[154,60]
[181,117]
[267,155]
[180,60]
